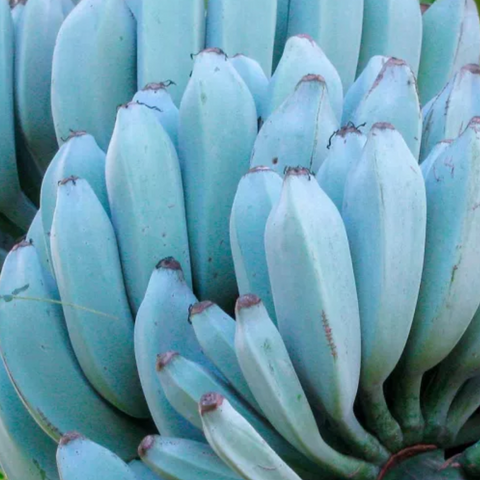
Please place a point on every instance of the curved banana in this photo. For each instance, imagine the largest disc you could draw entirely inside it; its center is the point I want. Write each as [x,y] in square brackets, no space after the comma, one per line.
[182,459]
[257,193]
[451,39]
[302,56]
[385,215]
[297,133]
[345,150]
[162,323]
[79,458]
[168,35]
[42,365]
[392,28]
[450,289]
[88,272]
[87,88]
[330,23]
[216,100]
[315,298]
[246,27]
[141,471]
[449,112]
[435,152]
[148,210]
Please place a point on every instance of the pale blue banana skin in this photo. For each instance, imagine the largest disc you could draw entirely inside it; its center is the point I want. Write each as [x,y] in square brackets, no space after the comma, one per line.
[254,77]
[451,39]
[88,272]
[246,27]
[281,31]
[435,152]
[79,458]
[297,133]
[40,360]
[35,41]
[26,452]
[454,107]
[13,202]
[392,28]
[258,191]
[157,95]
[450,289]
[345,152]
[362,85]
[79,156]
[218,126]
[161,323]
[142,472]
[335,26]
[145,193]
[182,459]
[394,85]
[168,34]
[17,12]
[302,56]
[315,298]
[215,333]
[94,69]
[385,215]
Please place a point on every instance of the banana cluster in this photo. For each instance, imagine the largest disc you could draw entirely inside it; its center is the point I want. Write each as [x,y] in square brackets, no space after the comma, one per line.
[268,257]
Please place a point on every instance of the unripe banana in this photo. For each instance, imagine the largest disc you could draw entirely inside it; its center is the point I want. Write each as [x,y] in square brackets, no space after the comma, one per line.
[451,39]
[218,126]
[246,27]
[449,113]
[79,458]
[302,56]
[162,323]
[297,133]
[145,193]
[182,459]
[257,193]
[315,298]
[394,84]
[39,358]
[141,471]
[88,271]
[385,215]
[168,35]
[392,28]
[329,23]
[436,151]
[345,150]
[93,69]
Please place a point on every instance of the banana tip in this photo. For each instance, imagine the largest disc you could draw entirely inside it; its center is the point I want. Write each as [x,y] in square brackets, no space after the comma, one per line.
[70,437]
[199,307]
[22,244]
[146,445]
[164,359]
[472,68]
[297,172]
[210,402]
[247,301]
[67,180]
[169,263]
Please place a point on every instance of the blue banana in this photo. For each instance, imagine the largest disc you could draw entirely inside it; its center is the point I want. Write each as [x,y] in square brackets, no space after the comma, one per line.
[435,152]
[142,472]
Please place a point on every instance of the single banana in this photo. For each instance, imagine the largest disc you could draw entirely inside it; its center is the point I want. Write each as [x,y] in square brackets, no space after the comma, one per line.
[435,152]
[330,23]
[216,100]
[345,150]
[79,458]
[168,35]
[392,28]
[315,298]
[42,365]
[302,56]
[451,39]
[35,41]
[385,215]
[93,69]
[26,452]
[257,193]
[246,27]
[157,97]
[297,133]
[238,444]
[267,367]
[182,459]
[88,272]
[215,333]
[162,323]
[450,288]
[395,83]
[449,113]
[142,472]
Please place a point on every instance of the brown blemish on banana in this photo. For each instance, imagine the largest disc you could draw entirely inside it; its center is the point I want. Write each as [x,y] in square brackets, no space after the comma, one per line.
[210,402]
[72,179]
[328,334]
[70,437]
